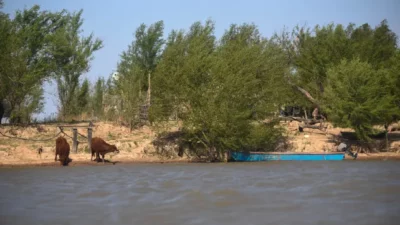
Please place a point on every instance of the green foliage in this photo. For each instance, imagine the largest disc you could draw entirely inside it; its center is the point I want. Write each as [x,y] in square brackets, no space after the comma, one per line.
[25,62]
[136,66]
[169,89]
[72,54]
[313,52]
[83,96]
[219,91]
[110,136]
[36,46]
[358,96]
[184,71]
[97,98]
[263,137]
[111,100]
[33,103]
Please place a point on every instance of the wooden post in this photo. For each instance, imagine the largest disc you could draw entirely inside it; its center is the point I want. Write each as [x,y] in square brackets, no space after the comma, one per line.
[305,114]
[75,140]
[89,137]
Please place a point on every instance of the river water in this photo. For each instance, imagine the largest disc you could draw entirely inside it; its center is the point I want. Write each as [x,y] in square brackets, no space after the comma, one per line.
[348,192]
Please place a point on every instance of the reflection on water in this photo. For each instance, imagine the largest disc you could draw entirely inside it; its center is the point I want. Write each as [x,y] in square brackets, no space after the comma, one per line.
[349,192]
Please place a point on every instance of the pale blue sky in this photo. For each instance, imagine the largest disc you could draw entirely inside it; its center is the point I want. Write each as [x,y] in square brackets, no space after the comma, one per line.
[115,21]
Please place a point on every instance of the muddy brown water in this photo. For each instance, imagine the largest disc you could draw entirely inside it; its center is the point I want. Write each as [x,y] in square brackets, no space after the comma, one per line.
[348,192]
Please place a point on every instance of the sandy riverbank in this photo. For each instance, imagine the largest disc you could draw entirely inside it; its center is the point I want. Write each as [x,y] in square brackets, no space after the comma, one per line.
[137,146]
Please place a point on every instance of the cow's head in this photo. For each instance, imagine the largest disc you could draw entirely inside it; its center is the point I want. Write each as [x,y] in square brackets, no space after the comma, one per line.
[114,149]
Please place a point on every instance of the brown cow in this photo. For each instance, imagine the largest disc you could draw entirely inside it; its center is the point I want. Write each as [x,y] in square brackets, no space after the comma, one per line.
[62,150]
[100,147]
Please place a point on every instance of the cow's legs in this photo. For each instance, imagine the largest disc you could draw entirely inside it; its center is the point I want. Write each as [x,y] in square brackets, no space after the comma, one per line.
[102,155]
[93,153]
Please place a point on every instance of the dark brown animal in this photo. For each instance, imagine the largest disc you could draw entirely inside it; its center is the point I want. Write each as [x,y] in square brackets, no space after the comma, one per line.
[100,147]
[40,150]
[62,150]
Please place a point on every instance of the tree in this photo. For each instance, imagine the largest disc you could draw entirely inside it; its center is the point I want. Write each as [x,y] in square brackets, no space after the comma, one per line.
[147,50]
[247,77]
[7,35]
[33,103]
[25,62]
[358,96]
[396,75]
[136,66]
[73,54]
[97,98]
[183,71]
[219,91]
[82,99]
[169,81]
[312,53]
[375,46]
[111,100]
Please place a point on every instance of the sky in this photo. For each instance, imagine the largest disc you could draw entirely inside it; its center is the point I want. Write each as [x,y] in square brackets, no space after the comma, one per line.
[115,22]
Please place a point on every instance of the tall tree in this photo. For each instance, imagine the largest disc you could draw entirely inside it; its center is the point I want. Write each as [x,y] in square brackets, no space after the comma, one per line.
[184,70]
[25,59]
[7,35]
[73,54]
[137,65]
[168,80]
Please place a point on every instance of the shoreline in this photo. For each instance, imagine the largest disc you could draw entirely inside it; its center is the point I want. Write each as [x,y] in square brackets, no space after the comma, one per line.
[138,146]
[79,162]
[74,163]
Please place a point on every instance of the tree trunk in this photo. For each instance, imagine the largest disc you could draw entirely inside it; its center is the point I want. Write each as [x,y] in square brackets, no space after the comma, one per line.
[307,95]
[305,114]
[149,91]
[304,92]
[1,110]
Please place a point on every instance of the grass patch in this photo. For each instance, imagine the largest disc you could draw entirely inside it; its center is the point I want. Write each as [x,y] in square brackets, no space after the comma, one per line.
[7,141]
[86,150]
[111,136]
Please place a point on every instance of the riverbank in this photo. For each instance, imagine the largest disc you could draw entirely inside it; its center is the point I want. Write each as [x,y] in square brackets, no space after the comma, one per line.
[387,156]
[138,146]
[52,163]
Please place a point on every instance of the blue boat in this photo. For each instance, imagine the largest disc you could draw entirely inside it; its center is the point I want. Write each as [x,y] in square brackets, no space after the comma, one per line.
[290,156]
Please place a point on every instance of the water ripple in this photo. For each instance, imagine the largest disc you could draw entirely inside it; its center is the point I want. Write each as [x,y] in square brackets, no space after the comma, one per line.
[237,193]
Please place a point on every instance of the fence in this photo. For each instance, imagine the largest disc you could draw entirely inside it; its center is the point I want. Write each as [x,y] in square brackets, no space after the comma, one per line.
[74,137]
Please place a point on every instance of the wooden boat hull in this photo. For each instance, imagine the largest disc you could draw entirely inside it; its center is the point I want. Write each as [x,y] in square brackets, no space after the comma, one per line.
[277,156]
